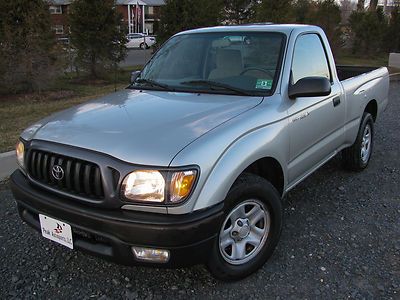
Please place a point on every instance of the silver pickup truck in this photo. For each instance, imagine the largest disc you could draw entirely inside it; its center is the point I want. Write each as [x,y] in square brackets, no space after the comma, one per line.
[190,163]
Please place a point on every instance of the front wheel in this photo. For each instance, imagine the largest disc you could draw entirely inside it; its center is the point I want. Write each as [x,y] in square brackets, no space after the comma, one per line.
[357,157]
[143,46]
[250,230]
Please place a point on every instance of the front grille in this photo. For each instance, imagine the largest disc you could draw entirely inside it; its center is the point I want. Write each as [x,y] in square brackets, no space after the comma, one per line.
[79,177]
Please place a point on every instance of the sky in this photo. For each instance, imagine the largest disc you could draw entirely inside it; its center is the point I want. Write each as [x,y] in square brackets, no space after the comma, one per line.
[379,2]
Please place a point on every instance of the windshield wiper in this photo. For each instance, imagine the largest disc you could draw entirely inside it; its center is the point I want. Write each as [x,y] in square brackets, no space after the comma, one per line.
[153,83]
[218,85]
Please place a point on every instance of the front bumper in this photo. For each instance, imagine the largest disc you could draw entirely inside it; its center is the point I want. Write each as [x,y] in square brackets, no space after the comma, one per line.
[110,233]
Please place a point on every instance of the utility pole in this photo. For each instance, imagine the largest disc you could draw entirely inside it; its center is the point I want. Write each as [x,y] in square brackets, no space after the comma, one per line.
[129,19]
[143,20]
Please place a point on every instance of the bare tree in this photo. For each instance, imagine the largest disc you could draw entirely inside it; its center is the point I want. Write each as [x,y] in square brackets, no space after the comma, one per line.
[360,4]
[373,5]
[346,8]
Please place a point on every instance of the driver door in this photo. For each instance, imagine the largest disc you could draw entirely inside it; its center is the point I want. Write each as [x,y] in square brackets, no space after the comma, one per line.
[315,123]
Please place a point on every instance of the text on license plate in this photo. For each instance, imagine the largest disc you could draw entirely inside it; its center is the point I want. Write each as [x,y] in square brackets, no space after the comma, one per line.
[57,231]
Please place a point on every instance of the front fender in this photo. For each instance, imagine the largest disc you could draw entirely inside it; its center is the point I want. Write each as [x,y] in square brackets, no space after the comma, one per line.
[220,168]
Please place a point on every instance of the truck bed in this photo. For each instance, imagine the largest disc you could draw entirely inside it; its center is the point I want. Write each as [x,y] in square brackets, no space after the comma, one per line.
[346,72]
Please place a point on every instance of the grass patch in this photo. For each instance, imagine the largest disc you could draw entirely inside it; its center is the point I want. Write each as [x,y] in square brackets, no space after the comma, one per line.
[17,112]
[346,58]
[357,60]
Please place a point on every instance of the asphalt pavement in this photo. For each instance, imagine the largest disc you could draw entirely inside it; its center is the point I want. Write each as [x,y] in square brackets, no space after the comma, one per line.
[341,239]
[136,57]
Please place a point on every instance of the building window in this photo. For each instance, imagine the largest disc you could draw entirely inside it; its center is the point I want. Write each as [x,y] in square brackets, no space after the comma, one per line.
[149,12]
[149,27]
[55,9]
[58,29]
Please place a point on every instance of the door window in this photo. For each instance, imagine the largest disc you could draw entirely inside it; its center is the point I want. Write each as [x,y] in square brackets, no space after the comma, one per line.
[309,59]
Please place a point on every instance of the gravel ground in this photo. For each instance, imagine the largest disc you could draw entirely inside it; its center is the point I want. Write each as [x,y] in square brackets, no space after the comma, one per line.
[341,239]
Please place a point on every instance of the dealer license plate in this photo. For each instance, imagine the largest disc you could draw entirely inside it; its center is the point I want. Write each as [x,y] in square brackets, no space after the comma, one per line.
[57,231]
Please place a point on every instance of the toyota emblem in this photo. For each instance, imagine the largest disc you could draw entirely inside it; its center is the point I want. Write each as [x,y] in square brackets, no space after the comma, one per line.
[57,172]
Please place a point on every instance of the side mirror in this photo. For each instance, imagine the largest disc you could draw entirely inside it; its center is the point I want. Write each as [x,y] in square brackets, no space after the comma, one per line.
[134,76]
[310,87]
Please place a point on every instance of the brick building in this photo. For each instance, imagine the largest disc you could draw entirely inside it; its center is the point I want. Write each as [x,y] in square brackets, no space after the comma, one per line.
[140,15]
[137,15]
[58,13]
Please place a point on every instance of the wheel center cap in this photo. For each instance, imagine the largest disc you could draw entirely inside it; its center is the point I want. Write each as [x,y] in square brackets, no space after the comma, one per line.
[241,229]
[244,231]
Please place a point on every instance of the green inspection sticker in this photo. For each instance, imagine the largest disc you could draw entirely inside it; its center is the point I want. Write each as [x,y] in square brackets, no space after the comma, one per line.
[264,84]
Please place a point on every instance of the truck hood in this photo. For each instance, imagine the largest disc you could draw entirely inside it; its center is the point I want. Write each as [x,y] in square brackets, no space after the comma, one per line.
[147,128]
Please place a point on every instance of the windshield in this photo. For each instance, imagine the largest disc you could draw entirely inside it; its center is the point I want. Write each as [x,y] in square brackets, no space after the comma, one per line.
[245,63]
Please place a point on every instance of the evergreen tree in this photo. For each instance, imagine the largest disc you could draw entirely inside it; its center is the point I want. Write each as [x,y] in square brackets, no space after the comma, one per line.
[326,14]
[178,15]
[96,34]
[238,11]
[275,11]
[392,37]
[27,45]
[302,10]
[368,31]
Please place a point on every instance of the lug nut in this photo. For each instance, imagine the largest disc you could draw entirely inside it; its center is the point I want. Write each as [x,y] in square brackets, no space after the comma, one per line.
[235,233]
[240,223]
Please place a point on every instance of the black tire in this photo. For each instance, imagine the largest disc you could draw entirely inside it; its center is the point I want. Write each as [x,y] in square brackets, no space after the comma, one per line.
[249,186]
[351,157]
[143,46]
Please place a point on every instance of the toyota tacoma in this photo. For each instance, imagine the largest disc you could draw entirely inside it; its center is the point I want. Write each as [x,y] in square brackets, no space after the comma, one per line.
[191,162]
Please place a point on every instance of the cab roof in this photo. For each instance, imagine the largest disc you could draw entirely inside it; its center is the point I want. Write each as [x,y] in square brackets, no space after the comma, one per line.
[267,27]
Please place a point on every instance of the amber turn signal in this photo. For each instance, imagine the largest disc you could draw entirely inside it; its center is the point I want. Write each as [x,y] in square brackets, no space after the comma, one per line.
[181,185]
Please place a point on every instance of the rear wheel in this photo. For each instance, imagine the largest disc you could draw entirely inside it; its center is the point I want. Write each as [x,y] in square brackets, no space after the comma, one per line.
[250,230]
[357,157]
[143,46]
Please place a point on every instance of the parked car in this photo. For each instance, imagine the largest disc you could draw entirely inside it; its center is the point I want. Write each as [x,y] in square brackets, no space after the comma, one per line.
[191,162]
[140,40]
[63,41]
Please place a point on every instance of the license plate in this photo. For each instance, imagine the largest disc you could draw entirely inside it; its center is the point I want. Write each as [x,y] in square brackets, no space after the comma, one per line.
[56,230]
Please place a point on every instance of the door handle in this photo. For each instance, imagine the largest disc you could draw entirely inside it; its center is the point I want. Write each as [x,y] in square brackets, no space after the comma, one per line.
[336,101]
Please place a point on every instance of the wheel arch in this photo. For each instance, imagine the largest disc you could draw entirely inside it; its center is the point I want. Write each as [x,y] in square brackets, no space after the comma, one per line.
[372,108]
[270,169]
[267,167]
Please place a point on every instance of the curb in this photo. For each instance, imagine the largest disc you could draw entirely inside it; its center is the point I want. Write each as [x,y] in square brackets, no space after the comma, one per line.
[8,164]
[7,154]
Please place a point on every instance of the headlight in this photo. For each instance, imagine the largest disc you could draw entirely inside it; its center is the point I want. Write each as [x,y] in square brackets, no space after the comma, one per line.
[154,186]
[146,186]
[20,151]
